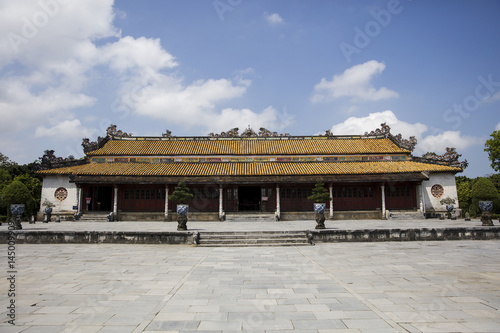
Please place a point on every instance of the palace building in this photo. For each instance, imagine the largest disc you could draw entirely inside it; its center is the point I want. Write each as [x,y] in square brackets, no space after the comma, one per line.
[373,175]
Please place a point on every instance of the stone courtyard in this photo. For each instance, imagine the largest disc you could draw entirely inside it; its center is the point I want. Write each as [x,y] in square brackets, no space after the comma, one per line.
[450,286]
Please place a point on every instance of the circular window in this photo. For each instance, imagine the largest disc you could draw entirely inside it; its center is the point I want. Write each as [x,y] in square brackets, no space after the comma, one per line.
[437,191]
[61,193]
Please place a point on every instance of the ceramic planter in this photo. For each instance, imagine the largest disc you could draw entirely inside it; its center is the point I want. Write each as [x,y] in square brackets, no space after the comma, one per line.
[182,209]
[17,209]
[486,206]
[319,208]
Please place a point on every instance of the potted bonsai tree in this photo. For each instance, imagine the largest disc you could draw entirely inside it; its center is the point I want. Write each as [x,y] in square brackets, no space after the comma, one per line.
[449,202]
[48,210]
[319,197]
[181,195]
[483,193]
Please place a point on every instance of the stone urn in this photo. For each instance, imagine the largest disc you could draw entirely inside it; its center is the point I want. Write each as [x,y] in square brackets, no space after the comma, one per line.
[48,213]
[319,209]
[182,211]
[486,208]
[17,210]
[449,209]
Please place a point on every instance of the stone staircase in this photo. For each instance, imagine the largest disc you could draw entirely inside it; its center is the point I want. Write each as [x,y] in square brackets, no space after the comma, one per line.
[250,217]
[405,215]
[253,238]
[94,217]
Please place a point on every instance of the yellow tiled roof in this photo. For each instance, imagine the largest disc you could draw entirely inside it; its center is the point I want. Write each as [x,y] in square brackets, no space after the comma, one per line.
[312,146]
[249,169]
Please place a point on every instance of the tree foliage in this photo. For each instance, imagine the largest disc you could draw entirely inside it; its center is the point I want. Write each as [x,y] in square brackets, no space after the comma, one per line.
[319,193]
[483,189]
[464,191]
[181,194]
[492,147]
[17,193]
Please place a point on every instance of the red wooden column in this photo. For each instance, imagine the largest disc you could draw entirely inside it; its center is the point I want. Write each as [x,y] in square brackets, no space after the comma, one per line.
[166,202]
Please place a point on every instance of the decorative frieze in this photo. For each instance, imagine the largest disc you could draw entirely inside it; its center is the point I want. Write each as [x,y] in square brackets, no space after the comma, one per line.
[240,159]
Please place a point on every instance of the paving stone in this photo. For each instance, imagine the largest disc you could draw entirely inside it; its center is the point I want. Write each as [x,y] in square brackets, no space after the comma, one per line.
[375,287]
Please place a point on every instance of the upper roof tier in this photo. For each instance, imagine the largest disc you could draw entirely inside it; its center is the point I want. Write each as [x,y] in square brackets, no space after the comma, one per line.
[205,146]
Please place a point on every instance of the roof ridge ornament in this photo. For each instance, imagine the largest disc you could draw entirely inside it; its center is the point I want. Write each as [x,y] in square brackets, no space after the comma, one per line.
[385,130]
[449,158]
[248,133]
[112,131]
[167,134]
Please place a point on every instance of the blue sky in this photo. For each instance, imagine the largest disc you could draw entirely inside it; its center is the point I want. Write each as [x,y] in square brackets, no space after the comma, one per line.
[429,69]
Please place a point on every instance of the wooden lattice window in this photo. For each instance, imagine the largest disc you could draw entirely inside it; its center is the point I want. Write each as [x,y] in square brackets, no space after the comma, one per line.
[437,190]
[61,193]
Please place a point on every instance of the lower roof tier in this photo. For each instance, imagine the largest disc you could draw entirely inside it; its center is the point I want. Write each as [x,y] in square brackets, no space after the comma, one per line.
[249,169]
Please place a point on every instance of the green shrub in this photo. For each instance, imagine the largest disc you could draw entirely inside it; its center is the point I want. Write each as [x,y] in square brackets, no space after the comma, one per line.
[319,193]
[17,193]
[181,194]
[483,189]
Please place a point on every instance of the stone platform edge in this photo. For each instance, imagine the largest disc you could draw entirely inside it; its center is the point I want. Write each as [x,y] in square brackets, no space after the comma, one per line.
[186,237]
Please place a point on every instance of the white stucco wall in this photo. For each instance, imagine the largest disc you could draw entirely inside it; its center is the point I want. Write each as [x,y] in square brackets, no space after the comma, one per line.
[50,185]
[447,181]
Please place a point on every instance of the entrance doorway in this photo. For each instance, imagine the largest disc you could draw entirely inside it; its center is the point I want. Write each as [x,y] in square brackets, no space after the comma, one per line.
[101,198]
[249,198]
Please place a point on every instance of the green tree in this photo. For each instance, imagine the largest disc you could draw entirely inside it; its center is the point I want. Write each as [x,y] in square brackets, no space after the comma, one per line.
[181,194]
[464,191]
[5,178]
[17,193]
[319,193]
[482,190]
[34,186]
[492,147]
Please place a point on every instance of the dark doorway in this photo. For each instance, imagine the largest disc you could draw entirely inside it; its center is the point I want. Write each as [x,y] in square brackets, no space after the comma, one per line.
[249,198]
[102,198]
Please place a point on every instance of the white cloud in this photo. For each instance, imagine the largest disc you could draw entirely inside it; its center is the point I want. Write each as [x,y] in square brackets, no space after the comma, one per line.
[56,44]
[187,105]
[68,129]
[194,105]
[431,142]
[439,142]
[269,118]
[273,19]
[498,127]
[20,108]
[355,82]
[48,72]
[129,53]
[355,125]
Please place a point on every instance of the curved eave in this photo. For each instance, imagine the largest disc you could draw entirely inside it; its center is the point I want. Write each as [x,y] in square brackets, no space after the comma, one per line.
[250,169]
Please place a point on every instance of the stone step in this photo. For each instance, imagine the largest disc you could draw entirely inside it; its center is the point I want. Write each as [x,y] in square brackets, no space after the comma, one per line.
[250,217]
[94,217]
[253,239]
[405,215]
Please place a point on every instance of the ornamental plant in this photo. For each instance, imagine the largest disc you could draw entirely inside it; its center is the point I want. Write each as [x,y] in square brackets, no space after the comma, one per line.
[447,201]
[181,194]
[17,193]
[483,190]
[319,193]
